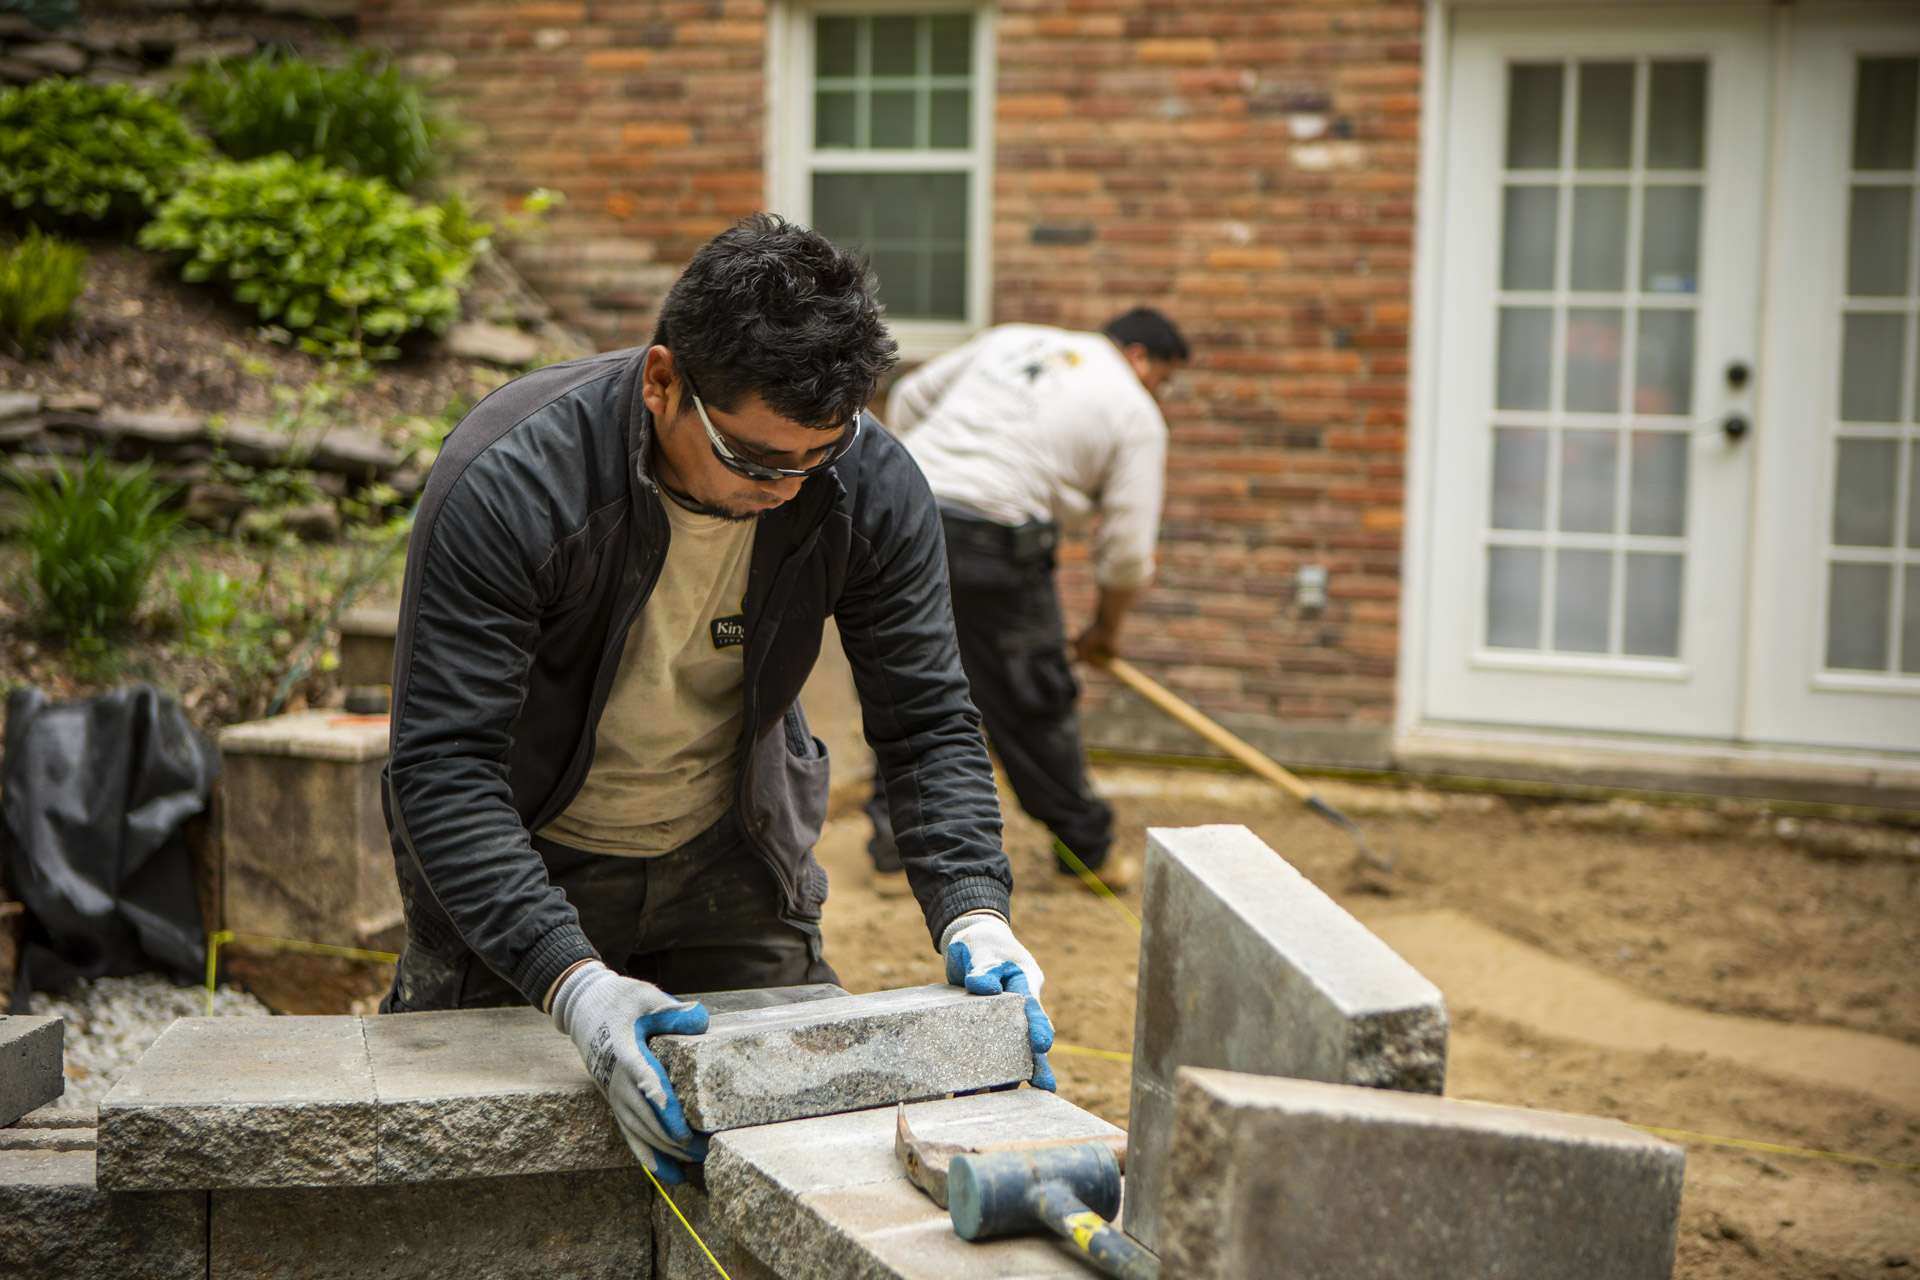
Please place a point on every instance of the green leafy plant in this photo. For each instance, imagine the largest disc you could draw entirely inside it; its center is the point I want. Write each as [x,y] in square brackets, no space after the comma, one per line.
[93,534]
[73,152]
[362,115]
[40,279]
[210,603]
[346,265]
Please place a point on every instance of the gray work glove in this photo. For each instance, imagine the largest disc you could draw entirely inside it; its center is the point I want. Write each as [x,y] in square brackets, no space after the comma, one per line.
[985,959]
[609,1018]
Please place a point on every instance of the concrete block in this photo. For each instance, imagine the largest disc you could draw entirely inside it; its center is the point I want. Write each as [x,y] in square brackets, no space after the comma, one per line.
[1246,966]
[48,1139]
[305,846]
[366,645]
[56,1224]
[593,1226]
[32,1064]
[762,1066]
[1292,1179]
[221,1102]
[825,1199]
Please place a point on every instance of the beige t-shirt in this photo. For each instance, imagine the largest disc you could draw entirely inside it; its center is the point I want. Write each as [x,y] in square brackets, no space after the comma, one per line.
[663,760]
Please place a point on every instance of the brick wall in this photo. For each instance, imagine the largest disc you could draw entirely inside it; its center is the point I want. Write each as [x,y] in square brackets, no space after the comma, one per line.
[1250,167]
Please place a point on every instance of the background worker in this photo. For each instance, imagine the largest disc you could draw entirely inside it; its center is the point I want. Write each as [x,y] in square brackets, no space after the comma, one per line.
[601,788]
[1023,430]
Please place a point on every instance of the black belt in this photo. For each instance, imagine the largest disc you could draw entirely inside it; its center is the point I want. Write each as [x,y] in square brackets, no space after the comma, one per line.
[1021,543]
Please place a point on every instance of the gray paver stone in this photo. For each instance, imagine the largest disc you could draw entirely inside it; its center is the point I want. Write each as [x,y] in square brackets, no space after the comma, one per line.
[219,1102]
[825,1199]
[48,1139]
[55,1224]
[1246,966]
[32,1064]
[583,1226]
[1292,1179]
[761,1066]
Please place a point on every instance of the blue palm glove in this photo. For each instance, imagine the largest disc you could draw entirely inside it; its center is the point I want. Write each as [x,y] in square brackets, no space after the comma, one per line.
[984,957]
[609,1018]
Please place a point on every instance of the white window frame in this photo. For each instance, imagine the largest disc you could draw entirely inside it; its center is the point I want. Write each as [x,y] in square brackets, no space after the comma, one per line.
[792,159]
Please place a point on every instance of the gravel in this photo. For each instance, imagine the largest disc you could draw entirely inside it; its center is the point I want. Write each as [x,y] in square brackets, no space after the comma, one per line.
[112,1021]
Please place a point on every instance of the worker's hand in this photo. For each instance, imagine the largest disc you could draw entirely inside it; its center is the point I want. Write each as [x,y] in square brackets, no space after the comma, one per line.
[1095,645]
[984,957]
[609,1018]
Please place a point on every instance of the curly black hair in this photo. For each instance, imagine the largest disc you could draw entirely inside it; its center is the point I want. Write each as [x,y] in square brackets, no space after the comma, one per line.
[772,308]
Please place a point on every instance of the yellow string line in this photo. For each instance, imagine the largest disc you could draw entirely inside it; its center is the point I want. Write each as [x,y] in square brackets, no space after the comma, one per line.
[222,937]
[1094,882]
[683,1222]
[1111,1055]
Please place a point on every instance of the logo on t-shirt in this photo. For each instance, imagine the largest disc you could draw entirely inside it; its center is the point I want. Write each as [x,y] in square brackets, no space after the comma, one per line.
[728,632]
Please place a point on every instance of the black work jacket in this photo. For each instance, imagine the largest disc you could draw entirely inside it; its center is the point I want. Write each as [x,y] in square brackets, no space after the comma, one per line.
[537,541]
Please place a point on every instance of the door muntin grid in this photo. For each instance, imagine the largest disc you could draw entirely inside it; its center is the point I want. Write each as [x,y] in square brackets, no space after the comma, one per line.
[1871,544]
[1596,313]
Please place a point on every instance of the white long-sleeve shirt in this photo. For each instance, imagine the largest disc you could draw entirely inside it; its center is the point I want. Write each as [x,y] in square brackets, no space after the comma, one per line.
[1027,422]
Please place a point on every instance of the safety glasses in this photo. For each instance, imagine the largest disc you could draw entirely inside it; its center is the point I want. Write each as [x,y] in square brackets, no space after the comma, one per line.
[730,453]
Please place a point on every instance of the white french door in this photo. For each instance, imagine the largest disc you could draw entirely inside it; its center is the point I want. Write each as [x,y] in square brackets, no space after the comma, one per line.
[1598,276]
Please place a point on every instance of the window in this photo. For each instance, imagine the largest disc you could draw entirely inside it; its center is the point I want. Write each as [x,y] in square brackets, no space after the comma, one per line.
[880,139]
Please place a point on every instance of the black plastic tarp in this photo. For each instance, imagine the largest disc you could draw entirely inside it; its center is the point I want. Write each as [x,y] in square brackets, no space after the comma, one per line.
[94,796]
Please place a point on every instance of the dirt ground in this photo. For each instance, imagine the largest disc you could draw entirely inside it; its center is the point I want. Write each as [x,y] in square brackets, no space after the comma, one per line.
[1734,923]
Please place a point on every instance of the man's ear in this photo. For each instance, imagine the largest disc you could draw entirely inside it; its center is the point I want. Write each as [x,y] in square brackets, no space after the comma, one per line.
[657,378]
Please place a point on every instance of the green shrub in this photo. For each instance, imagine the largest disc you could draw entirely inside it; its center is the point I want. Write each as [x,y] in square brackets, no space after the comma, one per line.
[334,259]
[40,278]
[73,152]
[210,602]
[93,534]
[361,116]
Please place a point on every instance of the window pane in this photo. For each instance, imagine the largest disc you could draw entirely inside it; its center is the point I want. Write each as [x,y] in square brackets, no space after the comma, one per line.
[893,220]
[901,280]
[1883,113]
[1605,116]
[947,207]
[1910,623]
[836,46]
[1859,601]
[1582,598]
[1588,460]
[952,118]
[1513,597]
[1913,496]
[1534,98]
[1670,240]
[1677,115]
[1650,623]
[1593,360]
[947,284]
[1599,239]
[835,119]
[895,121]
[1870,368]
[1663,365]
[1657,502]
[1877,234]
[912,226]
[1519,478]
[840,209]
[1865,482]
[896,46]
[1526,250]
[1526,361]
[953,44]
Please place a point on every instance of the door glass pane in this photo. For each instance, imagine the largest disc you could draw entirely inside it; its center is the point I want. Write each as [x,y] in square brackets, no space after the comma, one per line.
[1582,599]
[1599,239]
[1519,478]
[1877,238]
[836,46]
[1588,460]
[1670,240]
[1910,623]
[835,119]
[1663,365]
[952,118]
[1604,118]
[1866,480]
[1859,603]
[896,46]
[1534,98]
[1650,622]
[1527,238]
[1883,113]
[1593,359]
[952,44]
[1657,504]
[1526,360]
[1677,116]
[1513,597]
[894,122]
[1871,348]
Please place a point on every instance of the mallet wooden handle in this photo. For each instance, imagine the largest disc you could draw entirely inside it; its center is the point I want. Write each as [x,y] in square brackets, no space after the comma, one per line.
[1138,681]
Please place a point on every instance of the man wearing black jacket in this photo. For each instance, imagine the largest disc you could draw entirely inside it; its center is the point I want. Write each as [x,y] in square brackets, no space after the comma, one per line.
[601,786]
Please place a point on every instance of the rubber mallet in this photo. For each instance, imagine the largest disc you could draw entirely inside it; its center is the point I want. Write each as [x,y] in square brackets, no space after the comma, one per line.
[1071,1191]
